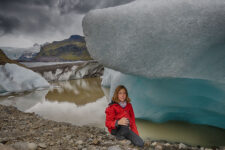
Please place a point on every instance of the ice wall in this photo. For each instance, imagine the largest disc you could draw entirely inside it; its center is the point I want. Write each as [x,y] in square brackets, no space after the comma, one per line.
[159,100]
[160,38]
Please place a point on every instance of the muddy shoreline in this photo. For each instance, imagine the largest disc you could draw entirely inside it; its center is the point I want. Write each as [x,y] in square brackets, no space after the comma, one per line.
[21,131]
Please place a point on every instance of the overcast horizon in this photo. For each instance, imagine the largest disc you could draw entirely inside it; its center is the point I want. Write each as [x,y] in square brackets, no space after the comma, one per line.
[26,22]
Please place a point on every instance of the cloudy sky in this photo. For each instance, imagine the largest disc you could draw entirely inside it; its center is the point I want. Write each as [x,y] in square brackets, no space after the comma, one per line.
[25,22]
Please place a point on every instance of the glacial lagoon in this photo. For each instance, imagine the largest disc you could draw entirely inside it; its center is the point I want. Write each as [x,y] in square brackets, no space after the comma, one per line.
[68,101]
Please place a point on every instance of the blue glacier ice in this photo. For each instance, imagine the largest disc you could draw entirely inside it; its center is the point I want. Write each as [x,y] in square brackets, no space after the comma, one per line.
[159,100]
[170,54]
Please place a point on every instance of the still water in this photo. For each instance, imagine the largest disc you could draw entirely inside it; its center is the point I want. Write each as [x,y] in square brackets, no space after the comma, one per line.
[83,102]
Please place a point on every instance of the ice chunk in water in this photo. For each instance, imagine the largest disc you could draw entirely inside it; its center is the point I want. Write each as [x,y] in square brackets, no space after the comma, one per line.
[160,38]
[14,78]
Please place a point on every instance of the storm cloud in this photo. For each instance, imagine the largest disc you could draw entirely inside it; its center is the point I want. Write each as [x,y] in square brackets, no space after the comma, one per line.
[8,24]
[83,6]
[40,21]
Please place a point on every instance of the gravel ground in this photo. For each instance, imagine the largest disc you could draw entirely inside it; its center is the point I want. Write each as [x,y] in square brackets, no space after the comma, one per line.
[28,131]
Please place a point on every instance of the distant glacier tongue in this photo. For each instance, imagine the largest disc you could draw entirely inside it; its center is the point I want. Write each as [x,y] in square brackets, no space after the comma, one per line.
[173,54]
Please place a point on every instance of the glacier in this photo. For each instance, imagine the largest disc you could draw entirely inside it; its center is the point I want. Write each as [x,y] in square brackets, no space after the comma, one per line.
[170,54]
[170,38]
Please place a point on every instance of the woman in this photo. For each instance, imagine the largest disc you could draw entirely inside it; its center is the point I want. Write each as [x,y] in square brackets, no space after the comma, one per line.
[120,118]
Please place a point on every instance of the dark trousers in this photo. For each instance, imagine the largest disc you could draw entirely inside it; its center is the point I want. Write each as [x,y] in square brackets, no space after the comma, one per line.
[125,132]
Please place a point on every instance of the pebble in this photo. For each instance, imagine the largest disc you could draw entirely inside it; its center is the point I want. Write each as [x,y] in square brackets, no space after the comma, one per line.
[182,146]
[42,145]
[79,142]
[125,142]
[167,144]
[71,141]
[154,143]
[24,146]
[158,147]
[51,143]
[68,137]
[116,147]
[32,146]
[147,143]
[79,147]
[95,142]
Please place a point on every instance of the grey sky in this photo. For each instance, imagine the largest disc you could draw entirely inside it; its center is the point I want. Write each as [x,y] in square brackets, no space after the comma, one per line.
[25,22]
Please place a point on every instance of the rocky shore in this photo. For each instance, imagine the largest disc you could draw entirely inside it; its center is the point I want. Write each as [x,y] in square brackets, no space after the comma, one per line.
[28,131]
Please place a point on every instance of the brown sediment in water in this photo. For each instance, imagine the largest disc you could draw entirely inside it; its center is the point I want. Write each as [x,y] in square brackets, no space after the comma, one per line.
[89,90]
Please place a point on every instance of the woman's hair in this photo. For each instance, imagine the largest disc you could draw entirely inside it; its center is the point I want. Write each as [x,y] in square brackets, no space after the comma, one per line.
[115,95]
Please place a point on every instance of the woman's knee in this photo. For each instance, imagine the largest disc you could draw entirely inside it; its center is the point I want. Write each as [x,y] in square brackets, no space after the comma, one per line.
[135,139]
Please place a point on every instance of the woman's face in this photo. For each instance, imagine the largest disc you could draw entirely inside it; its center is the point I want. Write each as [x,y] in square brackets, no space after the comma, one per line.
[122,95]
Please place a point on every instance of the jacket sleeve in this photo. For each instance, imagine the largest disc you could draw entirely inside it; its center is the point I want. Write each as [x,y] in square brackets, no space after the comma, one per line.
[133,124]
[110,121]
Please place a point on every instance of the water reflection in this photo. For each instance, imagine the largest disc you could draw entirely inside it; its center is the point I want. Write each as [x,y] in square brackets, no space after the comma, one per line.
[88,114]
[79,92]
[24,101]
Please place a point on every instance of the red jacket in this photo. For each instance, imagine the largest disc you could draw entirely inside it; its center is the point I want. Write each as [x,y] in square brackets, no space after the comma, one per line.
[115,112]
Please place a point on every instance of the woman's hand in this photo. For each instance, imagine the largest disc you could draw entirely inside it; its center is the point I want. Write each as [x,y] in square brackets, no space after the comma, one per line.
[123,121]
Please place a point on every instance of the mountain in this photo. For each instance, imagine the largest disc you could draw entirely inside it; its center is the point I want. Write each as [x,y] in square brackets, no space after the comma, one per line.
[71,49]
